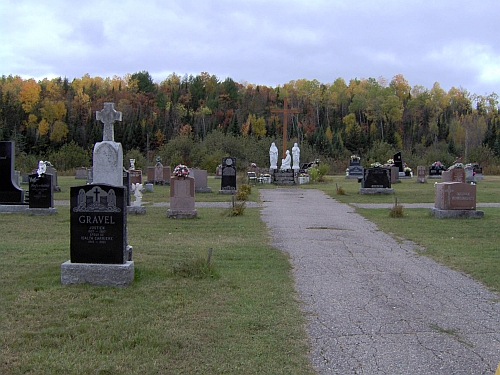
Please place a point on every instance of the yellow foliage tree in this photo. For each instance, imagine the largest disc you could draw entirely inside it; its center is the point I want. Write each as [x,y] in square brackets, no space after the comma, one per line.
[59,131]
[52,111]
[43,127]
[29,95]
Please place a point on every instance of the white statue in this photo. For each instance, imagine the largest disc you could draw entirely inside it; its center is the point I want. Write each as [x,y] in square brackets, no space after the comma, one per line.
[273,156]
[137,190]
[132,164]
[296,156]
[285,163]
[42,167]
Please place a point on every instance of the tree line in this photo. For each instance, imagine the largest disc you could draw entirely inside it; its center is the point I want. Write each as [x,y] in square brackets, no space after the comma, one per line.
[334,120]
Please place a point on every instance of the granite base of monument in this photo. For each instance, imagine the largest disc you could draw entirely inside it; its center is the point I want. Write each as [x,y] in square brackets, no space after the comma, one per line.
[13,208]
[454,214]
[228,191]
[284,177]
[137,210]
[41,211]
[376,191]
[182,214]
[117,275]
[202,189]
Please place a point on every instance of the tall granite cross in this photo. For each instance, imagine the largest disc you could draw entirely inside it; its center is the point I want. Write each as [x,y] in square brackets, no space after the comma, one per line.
[108,116]
[286,111]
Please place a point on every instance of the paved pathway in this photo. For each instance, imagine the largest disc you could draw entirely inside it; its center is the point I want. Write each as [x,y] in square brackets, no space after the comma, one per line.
[373,305]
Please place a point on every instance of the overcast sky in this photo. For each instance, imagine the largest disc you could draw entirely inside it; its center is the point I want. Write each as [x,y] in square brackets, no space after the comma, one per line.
[265,42]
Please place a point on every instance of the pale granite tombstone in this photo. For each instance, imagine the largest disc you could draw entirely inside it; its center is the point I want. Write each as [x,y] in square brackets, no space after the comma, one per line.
[182,198]
[421,170]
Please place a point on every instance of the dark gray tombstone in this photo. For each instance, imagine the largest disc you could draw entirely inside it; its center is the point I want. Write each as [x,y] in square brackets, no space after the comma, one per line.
[228,181]
[377,178]
[356,170]
[41,191]
[398,161]
[10,193]
[98,224]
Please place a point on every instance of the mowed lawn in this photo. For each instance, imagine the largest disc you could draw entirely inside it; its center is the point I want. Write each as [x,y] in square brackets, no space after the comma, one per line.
[242,318]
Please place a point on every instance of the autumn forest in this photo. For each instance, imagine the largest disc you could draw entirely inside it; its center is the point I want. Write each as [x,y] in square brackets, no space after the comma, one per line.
[198,119]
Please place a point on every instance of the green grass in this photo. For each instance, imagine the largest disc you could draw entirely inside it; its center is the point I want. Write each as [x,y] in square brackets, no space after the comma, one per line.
[238,316]
[241,318]
[467,245]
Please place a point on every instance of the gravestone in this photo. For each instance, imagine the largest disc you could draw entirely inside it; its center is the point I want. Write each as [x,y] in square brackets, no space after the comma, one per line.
[455,200]
[99,254]
[228,181]
[398,161]
[98,224]
[90,175]
[135,176]
[394,174]
[10,193]
[453,175]
[376,181]
[17,179]
[81,173]
[158,173]
[25,179]
[455,196]
[41,193]
[469,174]
[355,169]
[108,154]
[182,198]
[421,174]
[200,180]
[218,171]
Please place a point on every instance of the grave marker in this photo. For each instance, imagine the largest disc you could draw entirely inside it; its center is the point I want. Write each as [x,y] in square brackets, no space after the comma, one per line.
[182,198]
[10,193]
[228,181]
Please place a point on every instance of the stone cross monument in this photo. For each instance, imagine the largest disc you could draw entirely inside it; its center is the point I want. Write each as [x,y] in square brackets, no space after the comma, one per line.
[286,111]
[108,154]
[108,116]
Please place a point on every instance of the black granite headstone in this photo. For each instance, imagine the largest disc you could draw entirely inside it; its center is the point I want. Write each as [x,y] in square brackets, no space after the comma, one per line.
[398,161]
[98,224]
[228,174]
[41,192]
[377,178]
[10,193]
[355,168]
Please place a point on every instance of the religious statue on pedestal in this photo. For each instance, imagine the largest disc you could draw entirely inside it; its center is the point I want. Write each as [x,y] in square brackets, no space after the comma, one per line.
[285,163]
[273,156]
[296,156]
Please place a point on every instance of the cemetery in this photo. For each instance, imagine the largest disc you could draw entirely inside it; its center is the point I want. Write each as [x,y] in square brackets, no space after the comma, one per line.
[152,258]
[161,246]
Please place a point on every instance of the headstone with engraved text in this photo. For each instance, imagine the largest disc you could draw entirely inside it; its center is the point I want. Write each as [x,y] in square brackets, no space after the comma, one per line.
[228,181]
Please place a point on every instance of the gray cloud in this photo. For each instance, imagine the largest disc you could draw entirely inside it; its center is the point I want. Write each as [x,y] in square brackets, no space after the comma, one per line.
[262,42]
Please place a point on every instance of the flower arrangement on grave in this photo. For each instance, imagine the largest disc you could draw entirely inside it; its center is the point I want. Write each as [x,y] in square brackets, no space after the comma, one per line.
[376,165]
[456,165]
[181,171]
[390,162]
[253,165]
[355,158]
[306,174]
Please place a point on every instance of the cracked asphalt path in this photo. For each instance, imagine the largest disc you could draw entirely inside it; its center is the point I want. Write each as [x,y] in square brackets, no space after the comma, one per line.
[372,304]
